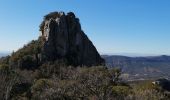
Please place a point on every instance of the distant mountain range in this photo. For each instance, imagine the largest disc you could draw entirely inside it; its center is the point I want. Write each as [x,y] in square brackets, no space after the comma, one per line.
[140,68]
[132,54]
[3,54]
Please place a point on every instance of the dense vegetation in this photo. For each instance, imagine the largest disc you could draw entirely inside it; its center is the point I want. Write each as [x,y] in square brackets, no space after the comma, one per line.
[23,77]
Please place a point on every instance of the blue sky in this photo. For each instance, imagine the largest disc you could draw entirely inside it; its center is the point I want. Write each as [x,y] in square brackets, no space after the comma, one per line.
[114,26]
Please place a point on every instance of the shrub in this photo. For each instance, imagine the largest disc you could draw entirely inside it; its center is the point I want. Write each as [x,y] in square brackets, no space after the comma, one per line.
[121,90]
[27,57]
[40,84]
[4,60]
[8,79]
[4,69]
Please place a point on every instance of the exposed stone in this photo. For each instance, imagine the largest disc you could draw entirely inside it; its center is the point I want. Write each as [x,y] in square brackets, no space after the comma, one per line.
[64,39]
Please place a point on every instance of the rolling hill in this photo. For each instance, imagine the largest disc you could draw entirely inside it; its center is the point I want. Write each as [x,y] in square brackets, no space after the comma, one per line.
[139,68]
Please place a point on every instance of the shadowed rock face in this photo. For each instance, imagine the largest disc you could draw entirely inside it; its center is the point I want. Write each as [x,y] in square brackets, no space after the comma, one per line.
[64,39]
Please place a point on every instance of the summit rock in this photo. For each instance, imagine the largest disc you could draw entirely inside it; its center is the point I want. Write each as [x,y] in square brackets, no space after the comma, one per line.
[64,39]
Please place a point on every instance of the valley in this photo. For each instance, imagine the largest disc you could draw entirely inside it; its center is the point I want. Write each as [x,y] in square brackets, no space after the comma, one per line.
[140,68]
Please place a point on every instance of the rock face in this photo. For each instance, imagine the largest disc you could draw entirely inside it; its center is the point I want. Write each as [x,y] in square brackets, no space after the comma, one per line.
[64,39]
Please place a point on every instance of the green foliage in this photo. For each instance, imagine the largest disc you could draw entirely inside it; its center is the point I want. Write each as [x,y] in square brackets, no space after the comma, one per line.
[145,90]
[146,85]
[73,83]
[8,79]
[27,62]
[51,15]
[58,81]
[32,48]
[40,84]
[4,68]
[4,60]
[27,57]
[121,90]
[20,90]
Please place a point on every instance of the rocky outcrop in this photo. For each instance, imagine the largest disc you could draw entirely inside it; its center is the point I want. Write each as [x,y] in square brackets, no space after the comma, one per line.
[64,39]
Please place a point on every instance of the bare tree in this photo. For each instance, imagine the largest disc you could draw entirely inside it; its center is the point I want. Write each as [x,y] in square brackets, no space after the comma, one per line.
[7,81]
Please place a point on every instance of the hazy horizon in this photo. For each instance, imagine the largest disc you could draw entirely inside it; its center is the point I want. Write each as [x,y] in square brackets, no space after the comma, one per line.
[114,27]
[5,53]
